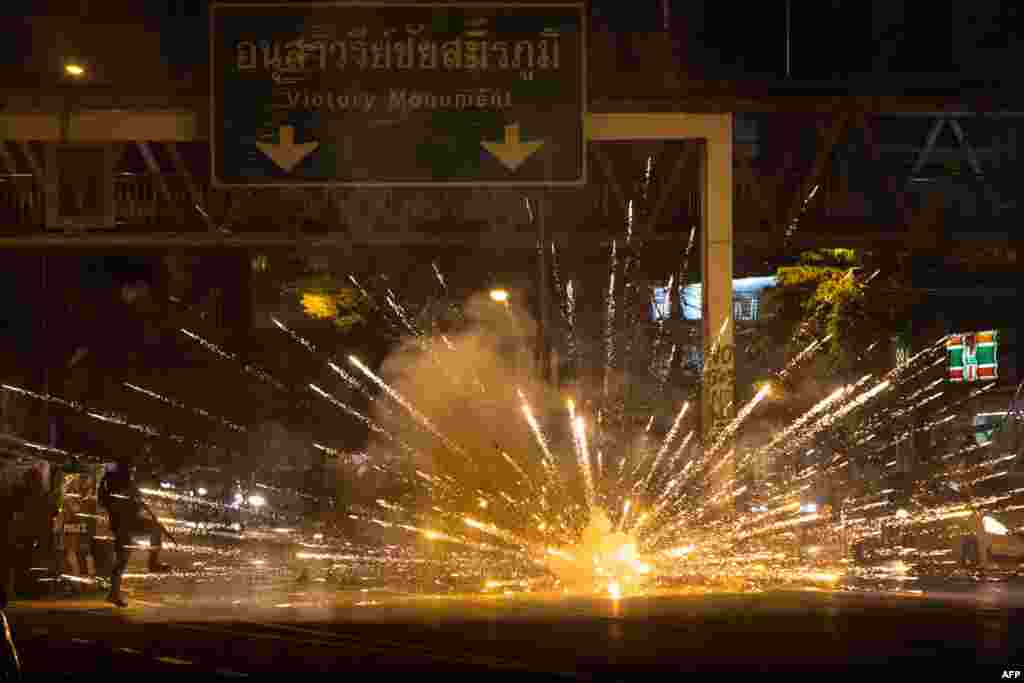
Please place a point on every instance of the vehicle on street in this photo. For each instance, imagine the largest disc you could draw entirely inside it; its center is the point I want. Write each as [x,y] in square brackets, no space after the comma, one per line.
[942,529]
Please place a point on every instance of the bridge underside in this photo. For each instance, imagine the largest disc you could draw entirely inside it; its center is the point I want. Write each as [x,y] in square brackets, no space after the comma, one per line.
[809,171]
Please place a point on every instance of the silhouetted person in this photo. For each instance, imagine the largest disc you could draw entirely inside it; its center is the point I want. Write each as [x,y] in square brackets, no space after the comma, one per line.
[123,501]
[25,514]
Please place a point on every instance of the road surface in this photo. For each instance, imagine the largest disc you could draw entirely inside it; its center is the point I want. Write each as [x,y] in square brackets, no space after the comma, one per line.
[288,630]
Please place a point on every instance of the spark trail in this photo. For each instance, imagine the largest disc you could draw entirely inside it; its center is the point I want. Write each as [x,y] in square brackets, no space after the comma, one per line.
[549,459]
[645,483]
[669,438]
[440,278]
[247,367]
[744,413]
[181,406]
[362,418]
[422,419]
[109,418]
[301,340]
[609,328]
[580,432]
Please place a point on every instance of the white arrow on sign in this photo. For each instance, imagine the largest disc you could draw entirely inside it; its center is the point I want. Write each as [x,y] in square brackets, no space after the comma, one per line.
[512,152]
[286,153]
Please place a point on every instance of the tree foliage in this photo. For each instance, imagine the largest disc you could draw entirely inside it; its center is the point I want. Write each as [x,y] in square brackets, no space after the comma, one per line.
[840,297]
[322,296]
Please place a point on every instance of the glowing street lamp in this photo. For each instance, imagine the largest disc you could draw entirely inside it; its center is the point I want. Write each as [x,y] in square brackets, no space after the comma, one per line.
[74,70]
[257,501]
[499,295]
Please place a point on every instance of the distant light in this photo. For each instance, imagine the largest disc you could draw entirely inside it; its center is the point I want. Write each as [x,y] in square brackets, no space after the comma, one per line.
[201,491]
[166,485]
[257,501]
[318,537]
[994,526]
[499,295]
[809,507]
[239,497]
[902,514]
[75,70]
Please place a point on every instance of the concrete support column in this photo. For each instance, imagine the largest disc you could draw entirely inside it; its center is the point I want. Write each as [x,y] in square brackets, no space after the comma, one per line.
[719,382]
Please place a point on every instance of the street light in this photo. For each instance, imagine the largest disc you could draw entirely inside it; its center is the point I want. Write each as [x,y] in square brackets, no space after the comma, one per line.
[257,501]
[74,70]
[499,295]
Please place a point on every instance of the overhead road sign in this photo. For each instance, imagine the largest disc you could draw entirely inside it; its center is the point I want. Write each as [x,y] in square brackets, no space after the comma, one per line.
[398,94]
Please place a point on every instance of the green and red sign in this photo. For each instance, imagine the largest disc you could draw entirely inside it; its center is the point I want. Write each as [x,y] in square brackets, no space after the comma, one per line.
[973,356]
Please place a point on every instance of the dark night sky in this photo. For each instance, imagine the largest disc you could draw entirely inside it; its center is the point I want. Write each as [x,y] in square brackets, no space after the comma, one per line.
[831,39]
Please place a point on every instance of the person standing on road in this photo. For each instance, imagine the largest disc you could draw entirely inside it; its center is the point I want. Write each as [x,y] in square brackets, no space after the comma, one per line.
[123,501]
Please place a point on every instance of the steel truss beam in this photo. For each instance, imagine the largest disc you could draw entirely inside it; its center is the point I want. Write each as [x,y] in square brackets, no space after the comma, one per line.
[813,234]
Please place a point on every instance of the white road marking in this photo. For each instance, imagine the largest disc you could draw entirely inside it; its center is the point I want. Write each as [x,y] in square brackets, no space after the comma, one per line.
[172,660]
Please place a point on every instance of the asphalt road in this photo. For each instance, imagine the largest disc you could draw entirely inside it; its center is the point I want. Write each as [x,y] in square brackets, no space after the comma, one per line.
[526,634]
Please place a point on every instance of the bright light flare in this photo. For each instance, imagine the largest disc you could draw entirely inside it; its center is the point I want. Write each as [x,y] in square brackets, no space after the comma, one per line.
[499,295]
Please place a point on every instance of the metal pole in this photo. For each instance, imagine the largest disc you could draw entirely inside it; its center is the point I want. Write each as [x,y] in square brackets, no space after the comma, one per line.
[44,345]
[789,38]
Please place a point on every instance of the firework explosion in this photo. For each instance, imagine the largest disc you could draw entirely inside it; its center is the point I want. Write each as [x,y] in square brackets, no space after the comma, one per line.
[608,493]
[618,507]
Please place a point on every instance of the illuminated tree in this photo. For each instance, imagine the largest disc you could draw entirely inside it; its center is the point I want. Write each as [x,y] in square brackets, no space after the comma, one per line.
[322,296]
[845,297]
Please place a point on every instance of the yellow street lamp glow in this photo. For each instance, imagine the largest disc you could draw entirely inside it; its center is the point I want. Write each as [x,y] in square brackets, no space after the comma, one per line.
[72,69]
[499,295]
